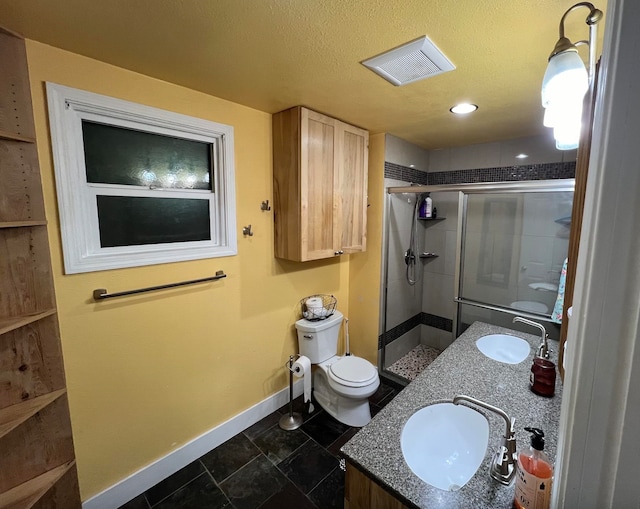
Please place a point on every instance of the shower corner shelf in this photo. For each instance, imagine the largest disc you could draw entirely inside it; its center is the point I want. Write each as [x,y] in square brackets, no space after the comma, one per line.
[430,219]
[426,256]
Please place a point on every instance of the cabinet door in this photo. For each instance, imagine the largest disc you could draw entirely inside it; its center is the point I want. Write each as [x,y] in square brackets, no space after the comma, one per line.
[320,232]
[351,193]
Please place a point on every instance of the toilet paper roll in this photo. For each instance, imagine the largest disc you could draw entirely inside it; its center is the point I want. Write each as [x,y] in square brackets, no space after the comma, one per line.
[314,302]
[302,368]
[314,305]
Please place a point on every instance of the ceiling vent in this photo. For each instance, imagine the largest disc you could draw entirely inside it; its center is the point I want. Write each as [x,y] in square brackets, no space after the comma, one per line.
[410,62]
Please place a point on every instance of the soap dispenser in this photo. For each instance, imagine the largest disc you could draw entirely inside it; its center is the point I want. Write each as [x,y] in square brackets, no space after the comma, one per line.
[534,475]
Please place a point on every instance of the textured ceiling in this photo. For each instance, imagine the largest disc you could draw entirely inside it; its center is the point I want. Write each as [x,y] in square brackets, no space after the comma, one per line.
[274,54]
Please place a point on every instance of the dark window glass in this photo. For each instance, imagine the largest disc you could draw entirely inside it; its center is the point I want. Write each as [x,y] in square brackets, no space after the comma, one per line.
[116,155]
[132,221]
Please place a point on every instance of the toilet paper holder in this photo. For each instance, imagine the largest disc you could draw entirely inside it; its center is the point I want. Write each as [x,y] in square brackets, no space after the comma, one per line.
[293,420]
[289,364]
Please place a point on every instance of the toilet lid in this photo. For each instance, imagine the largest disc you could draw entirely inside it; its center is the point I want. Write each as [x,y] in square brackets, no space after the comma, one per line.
[353,369]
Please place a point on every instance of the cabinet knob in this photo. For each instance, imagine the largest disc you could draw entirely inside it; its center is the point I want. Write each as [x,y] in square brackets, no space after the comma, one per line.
[338,253]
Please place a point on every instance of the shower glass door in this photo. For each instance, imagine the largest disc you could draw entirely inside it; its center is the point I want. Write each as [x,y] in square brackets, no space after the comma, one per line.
[514,245]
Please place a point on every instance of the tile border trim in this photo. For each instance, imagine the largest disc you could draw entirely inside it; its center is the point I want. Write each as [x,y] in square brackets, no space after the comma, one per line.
[422,318]
[543,171]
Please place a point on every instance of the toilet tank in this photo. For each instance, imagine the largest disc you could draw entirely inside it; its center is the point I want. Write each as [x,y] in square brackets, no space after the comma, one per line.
[318,340]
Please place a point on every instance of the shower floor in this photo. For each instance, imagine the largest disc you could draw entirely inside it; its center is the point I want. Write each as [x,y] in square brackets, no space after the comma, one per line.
[413,363]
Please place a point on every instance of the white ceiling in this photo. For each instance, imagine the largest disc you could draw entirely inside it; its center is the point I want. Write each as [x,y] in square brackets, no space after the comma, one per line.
[274,54]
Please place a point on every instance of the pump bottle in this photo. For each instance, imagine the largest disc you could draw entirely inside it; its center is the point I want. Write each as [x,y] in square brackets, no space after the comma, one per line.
[534,475]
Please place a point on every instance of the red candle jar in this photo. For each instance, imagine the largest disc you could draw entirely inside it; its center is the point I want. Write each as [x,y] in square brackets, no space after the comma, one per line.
[543,377]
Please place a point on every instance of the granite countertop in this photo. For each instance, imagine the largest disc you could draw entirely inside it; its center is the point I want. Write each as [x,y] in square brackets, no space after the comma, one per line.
[460,369]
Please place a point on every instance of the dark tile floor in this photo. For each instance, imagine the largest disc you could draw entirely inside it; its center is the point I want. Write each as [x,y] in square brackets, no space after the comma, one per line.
[265,467]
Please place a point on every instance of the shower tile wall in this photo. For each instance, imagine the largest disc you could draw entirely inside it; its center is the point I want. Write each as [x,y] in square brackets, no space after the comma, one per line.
[437,291]
[403,300]
[540,150]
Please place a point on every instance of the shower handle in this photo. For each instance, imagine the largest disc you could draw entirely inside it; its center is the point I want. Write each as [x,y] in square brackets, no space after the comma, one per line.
[409,257]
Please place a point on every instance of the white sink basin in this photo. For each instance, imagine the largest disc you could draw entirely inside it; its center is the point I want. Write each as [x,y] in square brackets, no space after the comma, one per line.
[504,348]
[444,444]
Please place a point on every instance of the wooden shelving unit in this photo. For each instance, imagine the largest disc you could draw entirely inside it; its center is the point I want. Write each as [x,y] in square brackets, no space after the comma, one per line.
[30,493]
[37,461]
[9,324]
[21,224]
[6,135]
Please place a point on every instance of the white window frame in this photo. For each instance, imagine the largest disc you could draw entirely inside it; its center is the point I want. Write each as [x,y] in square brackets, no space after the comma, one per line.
[77,206]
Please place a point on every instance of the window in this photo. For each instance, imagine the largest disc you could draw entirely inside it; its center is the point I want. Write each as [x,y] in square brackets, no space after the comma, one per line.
[139,185]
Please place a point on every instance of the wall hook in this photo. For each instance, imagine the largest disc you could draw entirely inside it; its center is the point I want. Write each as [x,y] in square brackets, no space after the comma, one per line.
[265,205]
[246,230]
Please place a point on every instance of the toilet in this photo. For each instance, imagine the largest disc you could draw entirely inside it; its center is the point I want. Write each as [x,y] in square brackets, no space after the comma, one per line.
[341,385]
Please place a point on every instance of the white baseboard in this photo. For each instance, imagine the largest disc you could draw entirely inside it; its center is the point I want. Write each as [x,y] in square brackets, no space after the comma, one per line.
[140,481]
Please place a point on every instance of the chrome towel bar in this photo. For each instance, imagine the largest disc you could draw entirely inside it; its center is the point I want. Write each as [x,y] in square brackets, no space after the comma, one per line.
[101,293]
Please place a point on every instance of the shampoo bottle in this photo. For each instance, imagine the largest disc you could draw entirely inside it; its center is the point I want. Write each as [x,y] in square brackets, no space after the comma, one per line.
[422,213]
[428,204]
[534,475]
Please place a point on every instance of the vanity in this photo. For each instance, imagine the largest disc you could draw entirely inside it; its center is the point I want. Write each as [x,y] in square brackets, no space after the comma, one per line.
[377,473]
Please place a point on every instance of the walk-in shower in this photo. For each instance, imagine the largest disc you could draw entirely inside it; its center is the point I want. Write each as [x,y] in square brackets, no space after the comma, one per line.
[495,251]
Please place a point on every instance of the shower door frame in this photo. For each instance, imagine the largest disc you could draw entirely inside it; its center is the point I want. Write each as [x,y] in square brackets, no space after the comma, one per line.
[521,186]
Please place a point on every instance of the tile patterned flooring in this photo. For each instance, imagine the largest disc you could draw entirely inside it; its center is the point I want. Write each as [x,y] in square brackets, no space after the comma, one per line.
[413,363]
[265,467]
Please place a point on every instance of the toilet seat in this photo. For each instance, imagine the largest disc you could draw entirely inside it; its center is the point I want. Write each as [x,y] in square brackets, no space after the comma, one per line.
[352,371]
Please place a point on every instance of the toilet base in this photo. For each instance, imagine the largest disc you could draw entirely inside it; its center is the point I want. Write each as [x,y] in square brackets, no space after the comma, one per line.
[349,411]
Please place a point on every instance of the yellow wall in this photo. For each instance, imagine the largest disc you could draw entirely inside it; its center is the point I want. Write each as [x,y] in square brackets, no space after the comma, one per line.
[148,373]
[365,268]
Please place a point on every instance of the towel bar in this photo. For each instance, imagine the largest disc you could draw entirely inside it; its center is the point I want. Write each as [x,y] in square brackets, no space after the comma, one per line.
[101,293]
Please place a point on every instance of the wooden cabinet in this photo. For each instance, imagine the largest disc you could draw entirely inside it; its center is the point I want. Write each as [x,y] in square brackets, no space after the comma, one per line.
[320,185]
[360,492]
[37,463]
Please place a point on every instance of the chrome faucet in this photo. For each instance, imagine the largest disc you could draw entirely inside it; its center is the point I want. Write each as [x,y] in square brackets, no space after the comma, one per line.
[503,467]
[543,349]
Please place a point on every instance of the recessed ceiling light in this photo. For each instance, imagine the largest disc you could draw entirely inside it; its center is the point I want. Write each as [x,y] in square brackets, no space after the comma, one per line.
[522,156]
[463,108]
[412,166]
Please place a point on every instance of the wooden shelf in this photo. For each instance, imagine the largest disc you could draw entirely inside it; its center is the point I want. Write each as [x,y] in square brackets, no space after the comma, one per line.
[9,324]
[6,135]
[37,466]
[25,495]
[21,224]
[12,416]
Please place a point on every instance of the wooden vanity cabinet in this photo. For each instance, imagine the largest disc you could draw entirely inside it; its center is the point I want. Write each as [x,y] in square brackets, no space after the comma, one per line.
[320,185]
[360,492]
[37,463]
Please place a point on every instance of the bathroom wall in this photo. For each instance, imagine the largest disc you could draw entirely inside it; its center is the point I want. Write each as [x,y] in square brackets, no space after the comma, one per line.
[148,373]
